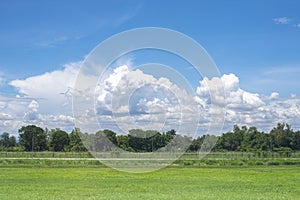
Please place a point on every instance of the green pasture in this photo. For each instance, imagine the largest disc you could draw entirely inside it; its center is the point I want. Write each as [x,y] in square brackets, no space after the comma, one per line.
[229,175]
[186,156]
[79,181]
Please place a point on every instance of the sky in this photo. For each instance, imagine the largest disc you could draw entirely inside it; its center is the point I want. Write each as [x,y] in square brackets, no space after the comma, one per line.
[254,44]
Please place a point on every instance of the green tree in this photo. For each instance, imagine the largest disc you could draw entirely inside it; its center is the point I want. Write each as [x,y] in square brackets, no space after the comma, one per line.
[59,140]
[196,144]
[12,141]
[75,140]
[4,140]
[122,141]
[100,142]
[255,140]
[296,141]
[170,135]
[282,136]
[149,140]
[232,141]
[143,141]
[111,136]
[33,138]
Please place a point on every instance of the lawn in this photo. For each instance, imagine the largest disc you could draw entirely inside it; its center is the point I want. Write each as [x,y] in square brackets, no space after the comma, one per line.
[175,182]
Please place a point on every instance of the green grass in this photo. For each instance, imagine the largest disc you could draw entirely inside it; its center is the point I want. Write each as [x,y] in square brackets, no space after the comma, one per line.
[176,182]
[44,154]
[89,162]
[186,156]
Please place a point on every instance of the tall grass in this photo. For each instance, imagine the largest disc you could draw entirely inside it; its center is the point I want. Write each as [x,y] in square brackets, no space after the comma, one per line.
[186,156]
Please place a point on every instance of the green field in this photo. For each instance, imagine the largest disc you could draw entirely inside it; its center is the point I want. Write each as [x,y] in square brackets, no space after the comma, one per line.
[67,181]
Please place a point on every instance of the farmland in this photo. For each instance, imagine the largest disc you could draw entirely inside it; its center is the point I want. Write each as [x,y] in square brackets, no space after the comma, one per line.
[210,178]
[258,182]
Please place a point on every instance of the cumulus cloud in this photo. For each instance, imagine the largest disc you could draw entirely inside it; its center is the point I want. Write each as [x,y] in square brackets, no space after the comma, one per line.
[235,97]
[18,112]
[250,109]
[134,99]
[274,95]
[43,100]
[12,111]
[52,89]
[34,105]
[5,116]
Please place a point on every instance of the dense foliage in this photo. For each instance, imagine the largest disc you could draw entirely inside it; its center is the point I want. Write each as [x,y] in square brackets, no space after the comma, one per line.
[33,138]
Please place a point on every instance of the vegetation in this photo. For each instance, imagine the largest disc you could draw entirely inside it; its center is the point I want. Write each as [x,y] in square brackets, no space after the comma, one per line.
[245,164]
[7,141]
[33,138]
[211,183]
[59,140]
[243,139]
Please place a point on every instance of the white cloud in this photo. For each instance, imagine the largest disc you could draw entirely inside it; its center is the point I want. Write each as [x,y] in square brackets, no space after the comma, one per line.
[134,99]
[4,116]
[51,90]
[18,112]
[34,105]
[252,109]
[282,20]
[236,98]
[274,95]
[43,100]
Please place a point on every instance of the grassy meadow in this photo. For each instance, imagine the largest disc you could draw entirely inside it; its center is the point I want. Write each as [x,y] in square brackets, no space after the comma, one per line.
[42,179]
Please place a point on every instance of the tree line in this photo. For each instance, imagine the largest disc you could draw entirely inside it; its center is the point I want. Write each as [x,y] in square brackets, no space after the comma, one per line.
[280,138]
[34,138]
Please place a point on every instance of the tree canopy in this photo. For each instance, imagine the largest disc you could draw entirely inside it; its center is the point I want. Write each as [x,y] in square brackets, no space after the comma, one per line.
[34,138]
[59,140]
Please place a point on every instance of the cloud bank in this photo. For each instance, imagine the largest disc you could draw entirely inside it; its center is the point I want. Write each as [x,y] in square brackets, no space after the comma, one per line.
[45,100]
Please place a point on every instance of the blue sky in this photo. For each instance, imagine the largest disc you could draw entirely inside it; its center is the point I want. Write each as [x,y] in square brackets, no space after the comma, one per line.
[257,41]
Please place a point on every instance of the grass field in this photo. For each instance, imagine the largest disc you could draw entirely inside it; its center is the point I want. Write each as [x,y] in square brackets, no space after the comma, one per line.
[176,182]
[186,156]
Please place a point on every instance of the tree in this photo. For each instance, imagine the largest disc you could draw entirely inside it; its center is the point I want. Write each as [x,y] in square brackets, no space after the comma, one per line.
[59,140]
[196,144]
[100,142]
[143,141]
[232,141]
[33,138]
[75,140]
[255,140]
[4,138]
[170,135]
[12,141]
[296,141]
[111,136]
[149,140]
[123,143]
[282,136]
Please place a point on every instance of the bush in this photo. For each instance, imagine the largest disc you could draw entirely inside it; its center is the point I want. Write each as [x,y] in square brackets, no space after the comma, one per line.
[273,163]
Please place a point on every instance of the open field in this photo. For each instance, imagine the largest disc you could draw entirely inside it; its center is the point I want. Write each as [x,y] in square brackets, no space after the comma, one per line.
[221,176]
[176,182]
[186,156]
[38,159]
